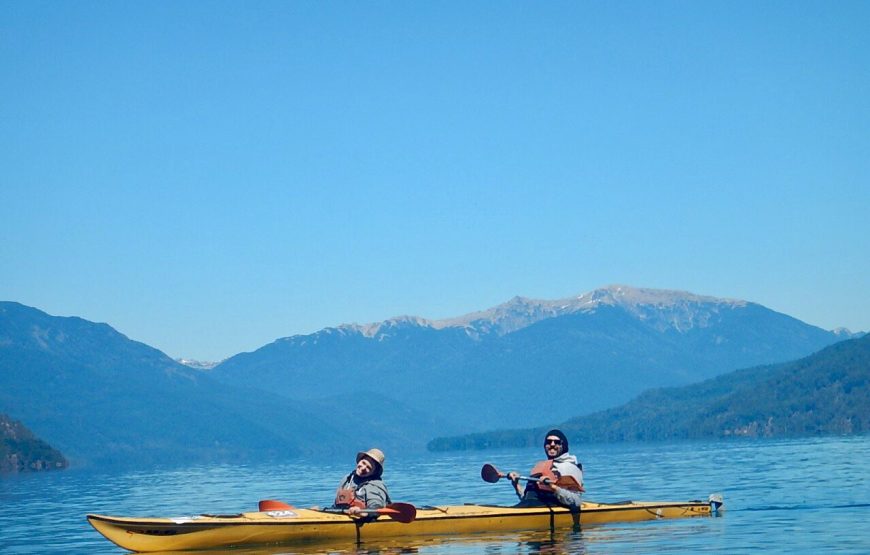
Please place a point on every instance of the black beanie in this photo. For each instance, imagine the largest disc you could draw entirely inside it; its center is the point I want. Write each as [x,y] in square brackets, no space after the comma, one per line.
[560,435]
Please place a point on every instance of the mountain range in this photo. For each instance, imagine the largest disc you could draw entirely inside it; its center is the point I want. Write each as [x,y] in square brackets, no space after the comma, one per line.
[545,360]
[99,396]
[827,392]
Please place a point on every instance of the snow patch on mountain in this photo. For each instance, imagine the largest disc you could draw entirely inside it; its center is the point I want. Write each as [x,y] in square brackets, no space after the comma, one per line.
[680,311]
[197,364]
[663,309]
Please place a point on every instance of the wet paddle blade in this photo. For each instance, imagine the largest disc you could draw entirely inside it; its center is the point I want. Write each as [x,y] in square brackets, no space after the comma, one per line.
[569,483]
[490,474]
[400,512]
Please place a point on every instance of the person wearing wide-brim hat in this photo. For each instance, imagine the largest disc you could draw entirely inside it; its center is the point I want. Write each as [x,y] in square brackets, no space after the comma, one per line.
[364,488]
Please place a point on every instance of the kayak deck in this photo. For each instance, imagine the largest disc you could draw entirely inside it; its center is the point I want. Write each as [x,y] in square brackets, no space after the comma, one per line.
[302,526]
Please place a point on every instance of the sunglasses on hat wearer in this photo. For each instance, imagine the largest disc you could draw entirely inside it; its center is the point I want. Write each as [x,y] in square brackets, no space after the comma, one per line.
[552,442]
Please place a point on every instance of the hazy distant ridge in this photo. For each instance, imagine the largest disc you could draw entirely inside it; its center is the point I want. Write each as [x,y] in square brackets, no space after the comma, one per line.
[825,393]
[101,397]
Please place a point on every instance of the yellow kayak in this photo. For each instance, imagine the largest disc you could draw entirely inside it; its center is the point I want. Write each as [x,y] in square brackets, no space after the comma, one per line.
[304,526]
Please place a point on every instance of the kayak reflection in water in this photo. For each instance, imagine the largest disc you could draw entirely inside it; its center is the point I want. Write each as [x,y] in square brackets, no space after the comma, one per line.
[363,488]
[559,464]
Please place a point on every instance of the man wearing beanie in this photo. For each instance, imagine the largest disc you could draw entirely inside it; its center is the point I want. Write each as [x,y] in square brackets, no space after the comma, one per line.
[559,463]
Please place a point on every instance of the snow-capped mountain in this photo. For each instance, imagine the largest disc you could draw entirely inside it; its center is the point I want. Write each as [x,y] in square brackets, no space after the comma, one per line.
[592,351]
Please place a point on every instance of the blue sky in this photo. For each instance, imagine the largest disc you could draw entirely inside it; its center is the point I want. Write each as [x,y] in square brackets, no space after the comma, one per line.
[209,176]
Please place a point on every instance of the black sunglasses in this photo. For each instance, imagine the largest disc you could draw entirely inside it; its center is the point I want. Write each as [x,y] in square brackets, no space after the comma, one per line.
[552,442]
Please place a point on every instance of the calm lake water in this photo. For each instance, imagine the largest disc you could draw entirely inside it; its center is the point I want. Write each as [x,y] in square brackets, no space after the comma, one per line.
[810,495]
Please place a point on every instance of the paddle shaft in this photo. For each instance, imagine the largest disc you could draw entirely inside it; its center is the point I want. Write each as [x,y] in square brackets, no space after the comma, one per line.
[491,474]
[533,479]
[401,512]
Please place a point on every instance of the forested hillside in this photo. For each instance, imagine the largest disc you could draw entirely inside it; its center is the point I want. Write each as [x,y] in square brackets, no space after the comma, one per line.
[825,393]
[21,451]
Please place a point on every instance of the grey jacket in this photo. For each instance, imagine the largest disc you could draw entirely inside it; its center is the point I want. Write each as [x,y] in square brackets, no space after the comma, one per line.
[371,492]
[566,465]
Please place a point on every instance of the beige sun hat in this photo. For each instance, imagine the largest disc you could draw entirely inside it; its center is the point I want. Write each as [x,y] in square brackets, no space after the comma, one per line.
[374,454]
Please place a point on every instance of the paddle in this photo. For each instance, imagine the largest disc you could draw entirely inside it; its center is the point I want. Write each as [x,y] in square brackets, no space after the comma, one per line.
[491,474]
[400,512]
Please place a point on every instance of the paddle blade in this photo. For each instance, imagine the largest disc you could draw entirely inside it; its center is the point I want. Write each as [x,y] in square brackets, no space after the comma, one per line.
[569,483]
[400,512]
[273,505]
[490,474]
